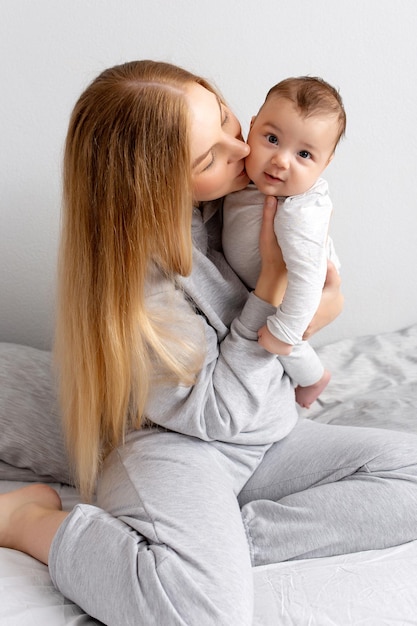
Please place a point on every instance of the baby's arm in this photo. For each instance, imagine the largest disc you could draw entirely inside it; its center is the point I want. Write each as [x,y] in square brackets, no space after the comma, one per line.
[301,226]
[330,307]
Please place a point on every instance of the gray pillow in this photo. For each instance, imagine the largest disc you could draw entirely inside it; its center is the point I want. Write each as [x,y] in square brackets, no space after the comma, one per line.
[31,440]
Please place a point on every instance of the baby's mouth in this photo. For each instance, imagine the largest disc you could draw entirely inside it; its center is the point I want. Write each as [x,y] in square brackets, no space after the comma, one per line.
[274,179]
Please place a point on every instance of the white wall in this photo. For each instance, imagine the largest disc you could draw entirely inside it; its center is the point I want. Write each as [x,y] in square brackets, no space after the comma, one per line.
[51,49]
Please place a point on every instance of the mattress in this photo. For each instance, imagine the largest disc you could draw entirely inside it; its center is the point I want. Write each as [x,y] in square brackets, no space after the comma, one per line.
[374,383]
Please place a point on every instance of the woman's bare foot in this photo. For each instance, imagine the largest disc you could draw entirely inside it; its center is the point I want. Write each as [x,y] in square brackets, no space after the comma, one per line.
[305,396]
[23,507]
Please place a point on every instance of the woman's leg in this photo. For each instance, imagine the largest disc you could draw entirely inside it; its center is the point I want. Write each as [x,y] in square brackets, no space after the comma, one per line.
[167,545]
[326,490]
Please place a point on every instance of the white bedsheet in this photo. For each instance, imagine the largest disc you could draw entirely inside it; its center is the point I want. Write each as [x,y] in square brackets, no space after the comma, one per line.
[375,588]
[374,383]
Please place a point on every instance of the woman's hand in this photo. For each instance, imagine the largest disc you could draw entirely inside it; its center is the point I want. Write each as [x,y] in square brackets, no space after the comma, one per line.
[272,280]
[271,343]
[331,303]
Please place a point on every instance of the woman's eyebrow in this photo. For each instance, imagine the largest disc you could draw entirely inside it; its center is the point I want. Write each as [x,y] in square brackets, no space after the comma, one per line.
[220,103]
[201,158]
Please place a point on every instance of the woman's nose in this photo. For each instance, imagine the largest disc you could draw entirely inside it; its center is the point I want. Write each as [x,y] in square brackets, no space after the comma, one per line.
[242,149]
[238,150]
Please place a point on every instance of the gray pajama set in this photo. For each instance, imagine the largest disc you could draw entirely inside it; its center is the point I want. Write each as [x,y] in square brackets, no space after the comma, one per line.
[225,476]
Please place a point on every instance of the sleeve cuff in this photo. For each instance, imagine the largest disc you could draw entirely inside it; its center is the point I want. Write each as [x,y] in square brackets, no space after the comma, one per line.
[255,313]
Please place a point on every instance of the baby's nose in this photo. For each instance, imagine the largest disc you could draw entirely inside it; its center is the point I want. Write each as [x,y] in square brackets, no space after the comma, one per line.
[281,159]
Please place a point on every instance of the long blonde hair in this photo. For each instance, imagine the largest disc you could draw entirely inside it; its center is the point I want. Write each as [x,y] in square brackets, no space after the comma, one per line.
[127,205]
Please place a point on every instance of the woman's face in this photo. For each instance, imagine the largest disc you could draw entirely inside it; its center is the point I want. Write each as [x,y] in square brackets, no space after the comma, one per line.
[217,148]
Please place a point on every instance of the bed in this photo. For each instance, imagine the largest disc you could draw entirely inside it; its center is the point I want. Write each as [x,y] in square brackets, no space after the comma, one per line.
[374,383]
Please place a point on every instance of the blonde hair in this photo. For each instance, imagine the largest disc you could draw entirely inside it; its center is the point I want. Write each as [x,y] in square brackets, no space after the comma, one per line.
[127,207]
[312,96]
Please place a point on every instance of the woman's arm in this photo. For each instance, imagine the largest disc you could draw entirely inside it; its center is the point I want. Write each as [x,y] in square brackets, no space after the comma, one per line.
[272,280]
[240,395]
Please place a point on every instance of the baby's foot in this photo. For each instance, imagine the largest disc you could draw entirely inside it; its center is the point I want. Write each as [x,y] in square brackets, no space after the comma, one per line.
[305,396]
[14,503]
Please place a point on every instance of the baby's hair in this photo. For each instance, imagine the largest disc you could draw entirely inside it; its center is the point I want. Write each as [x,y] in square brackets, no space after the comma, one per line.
[312,96]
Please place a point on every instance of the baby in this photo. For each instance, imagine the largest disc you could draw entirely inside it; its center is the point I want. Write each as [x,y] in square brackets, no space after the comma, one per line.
[292,139]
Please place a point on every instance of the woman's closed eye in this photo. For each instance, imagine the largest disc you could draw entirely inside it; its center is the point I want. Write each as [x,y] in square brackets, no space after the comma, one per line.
[212,155]
[211,162]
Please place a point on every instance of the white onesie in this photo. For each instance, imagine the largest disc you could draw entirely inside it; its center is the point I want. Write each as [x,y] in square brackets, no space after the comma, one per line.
[301,226]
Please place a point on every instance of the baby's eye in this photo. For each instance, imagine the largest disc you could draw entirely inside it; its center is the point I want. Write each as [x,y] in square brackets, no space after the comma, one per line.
[272,139]
[304,154]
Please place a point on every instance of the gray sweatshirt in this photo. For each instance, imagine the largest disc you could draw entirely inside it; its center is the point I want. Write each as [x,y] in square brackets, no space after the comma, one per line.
[242,394]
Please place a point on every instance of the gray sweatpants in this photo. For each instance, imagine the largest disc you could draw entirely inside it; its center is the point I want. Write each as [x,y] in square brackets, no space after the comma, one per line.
[169,543]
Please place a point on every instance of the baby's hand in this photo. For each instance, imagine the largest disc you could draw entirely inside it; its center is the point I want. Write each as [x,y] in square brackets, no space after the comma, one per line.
[268,341]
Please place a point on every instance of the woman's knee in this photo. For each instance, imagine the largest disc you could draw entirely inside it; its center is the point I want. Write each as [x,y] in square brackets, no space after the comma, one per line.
[175,496]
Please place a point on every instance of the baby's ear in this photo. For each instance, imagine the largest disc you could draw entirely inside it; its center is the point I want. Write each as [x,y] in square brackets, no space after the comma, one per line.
[252,121]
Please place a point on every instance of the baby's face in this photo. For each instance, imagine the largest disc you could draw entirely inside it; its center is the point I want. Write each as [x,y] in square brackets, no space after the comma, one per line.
[288,151]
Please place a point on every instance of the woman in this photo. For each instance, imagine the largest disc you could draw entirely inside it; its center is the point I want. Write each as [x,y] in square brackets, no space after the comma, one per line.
[187,422]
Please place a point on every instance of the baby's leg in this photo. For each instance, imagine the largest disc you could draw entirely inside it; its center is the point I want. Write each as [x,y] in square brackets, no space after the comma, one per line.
[305,396]
[306,371]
